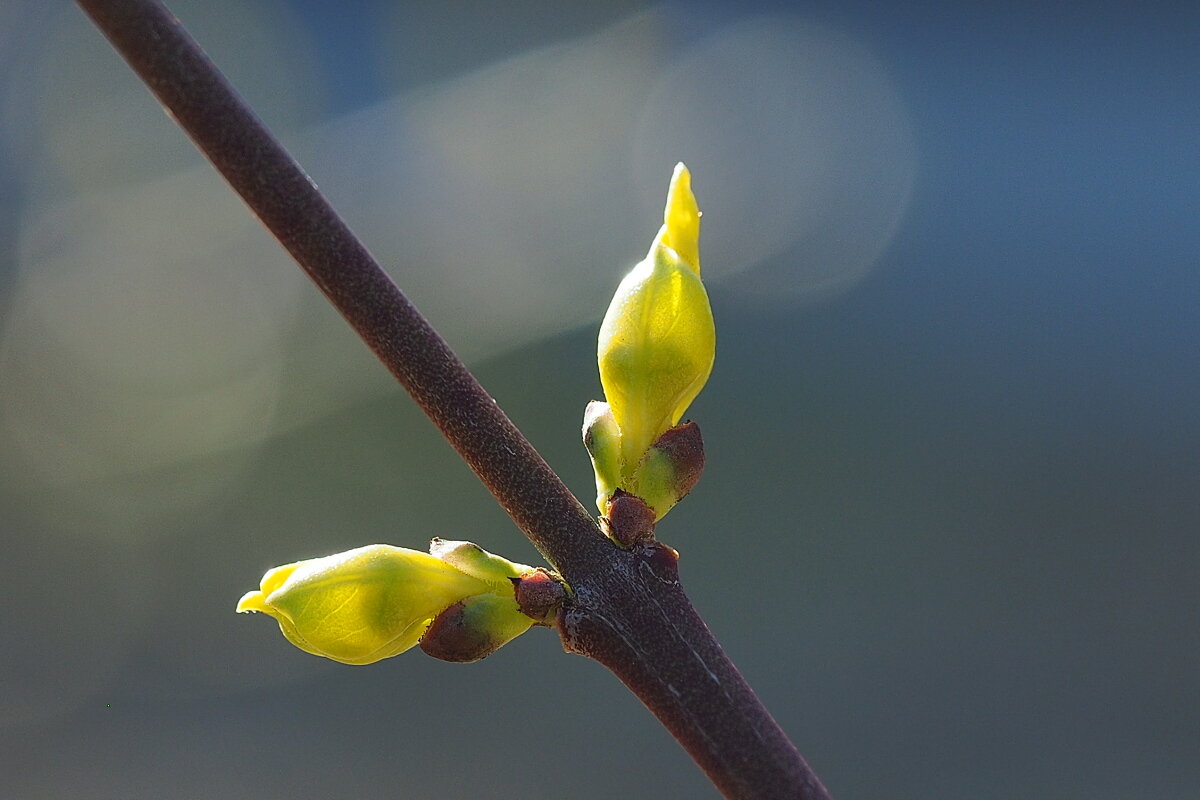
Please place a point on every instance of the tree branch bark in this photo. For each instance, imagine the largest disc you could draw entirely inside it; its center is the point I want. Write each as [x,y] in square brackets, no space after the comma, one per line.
[628,610]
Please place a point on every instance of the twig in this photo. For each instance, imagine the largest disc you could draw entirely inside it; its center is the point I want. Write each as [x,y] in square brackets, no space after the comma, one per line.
[628,610]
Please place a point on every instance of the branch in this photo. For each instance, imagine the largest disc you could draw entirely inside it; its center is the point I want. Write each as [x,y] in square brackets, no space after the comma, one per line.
[628,611]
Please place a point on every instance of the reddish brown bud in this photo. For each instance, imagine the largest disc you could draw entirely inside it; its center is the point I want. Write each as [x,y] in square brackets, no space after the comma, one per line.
[539,595]
[450,638]
[670,468]
[661,560]
[630,520]
[474,628]
[684,446]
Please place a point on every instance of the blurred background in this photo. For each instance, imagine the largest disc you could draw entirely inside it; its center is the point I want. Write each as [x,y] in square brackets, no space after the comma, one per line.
[948,527]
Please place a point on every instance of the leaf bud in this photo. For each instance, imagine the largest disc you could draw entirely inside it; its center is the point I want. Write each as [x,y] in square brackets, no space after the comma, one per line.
[670,469]
[540,595]
[375,602]
[472,559]
[657,341]
[474,628]
[602,438]
[628,519]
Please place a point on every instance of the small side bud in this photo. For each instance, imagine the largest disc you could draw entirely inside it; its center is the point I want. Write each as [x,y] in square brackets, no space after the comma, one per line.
[629,520]
[540,594]
[660,561]
[477,562]
[474,628]
[670,469]
[602,438]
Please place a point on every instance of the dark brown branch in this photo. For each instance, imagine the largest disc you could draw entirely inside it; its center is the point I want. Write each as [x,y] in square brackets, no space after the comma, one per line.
[628,611]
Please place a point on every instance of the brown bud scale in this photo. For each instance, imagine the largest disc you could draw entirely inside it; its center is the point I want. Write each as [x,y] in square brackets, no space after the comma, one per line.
[630,521]
[684,445]
[450,638]
[539,595]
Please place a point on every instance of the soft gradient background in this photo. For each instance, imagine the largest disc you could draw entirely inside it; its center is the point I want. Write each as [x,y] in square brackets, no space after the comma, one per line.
[949,526]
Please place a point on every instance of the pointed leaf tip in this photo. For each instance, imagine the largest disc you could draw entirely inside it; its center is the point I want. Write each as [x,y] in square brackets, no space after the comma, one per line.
[681,219]
[252,602]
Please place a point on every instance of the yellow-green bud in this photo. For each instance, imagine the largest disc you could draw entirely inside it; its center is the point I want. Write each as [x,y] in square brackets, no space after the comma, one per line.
[602,438]
[670,468]
[658,340]
[375,602]
[474,628]
[472,559]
